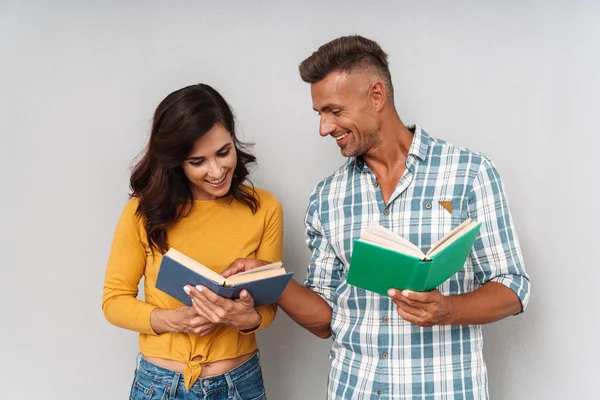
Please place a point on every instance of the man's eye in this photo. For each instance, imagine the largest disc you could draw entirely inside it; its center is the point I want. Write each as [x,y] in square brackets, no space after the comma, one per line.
[337,113]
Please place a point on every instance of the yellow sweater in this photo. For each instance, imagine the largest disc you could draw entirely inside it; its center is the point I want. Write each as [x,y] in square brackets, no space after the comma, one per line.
[215,233]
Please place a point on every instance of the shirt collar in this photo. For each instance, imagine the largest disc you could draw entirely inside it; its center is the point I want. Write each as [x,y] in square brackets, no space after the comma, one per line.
[420,144]
[418,148]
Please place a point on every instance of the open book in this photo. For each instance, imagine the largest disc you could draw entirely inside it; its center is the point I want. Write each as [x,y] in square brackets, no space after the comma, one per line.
[382,259]
[265,284]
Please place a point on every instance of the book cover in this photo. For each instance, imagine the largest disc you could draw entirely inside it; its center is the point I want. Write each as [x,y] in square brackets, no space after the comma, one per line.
[174,275]
[378,268]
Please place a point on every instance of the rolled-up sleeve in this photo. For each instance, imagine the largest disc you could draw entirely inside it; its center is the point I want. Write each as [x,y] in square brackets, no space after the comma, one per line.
[325,268]
[496,254]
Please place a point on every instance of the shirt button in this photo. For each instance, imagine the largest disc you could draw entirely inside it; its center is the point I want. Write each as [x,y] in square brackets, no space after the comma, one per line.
[206,383]
[428,205]
[386,320]
[384,355]
[375,183]
[387,212]
[378,393]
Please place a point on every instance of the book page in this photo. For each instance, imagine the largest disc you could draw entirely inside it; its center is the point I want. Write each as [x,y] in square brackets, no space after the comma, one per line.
[274,265]
[383,237]
[451,236]
[195,266]
[390,244]
[266,271]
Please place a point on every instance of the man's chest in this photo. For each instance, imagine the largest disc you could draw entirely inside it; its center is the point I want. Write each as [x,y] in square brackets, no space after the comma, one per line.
[422,214]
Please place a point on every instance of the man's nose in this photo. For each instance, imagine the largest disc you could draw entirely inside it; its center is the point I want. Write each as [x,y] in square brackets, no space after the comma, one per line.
[326,127]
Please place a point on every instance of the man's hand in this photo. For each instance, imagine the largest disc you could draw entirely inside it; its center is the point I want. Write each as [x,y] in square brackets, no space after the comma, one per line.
[242,265]
[183,319]
[422,308]
[238,313]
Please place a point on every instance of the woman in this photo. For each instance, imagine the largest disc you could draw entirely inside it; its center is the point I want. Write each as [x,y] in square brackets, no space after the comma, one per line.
[188,193]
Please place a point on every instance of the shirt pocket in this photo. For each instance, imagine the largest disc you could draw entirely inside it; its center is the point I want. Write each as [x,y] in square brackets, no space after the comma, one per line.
[435,219]
[444,215]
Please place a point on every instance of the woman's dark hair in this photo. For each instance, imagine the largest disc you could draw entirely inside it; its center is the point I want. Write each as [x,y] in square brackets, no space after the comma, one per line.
[164,192]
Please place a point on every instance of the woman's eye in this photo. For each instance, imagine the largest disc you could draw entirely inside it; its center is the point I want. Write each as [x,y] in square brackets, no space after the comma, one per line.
[223,154]
[196,163]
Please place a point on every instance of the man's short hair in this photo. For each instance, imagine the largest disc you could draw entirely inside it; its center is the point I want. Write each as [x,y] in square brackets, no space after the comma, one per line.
[346,54]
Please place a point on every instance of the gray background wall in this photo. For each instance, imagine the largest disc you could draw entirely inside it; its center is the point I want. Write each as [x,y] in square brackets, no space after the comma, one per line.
[517,80]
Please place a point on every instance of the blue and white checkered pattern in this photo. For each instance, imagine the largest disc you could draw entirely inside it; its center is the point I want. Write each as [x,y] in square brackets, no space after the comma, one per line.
[376,354]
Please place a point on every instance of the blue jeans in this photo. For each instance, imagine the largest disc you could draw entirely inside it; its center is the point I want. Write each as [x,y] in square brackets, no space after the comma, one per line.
[153,382]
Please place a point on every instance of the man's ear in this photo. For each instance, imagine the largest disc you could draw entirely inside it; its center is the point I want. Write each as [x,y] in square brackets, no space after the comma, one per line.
[378,95]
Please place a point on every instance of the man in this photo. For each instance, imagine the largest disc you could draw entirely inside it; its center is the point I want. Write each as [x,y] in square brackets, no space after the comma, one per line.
[408,345]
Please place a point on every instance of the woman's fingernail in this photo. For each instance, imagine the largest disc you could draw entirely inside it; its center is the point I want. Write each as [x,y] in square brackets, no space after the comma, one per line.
[186,289]
[199,288]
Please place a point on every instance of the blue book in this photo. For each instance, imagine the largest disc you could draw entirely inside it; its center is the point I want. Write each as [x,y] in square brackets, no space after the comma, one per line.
[265,284]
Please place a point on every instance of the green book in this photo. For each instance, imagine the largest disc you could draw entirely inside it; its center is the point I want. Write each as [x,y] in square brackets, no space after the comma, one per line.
[382,260]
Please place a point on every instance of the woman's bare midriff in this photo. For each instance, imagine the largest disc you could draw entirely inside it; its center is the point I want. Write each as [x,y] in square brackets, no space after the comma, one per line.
[208,369]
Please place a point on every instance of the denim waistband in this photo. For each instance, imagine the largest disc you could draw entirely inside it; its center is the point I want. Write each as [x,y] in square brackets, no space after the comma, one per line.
[164,375]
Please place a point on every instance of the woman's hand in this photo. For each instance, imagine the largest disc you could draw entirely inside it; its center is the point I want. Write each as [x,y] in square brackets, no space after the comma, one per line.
[184,320]
[238,313]
[242,265]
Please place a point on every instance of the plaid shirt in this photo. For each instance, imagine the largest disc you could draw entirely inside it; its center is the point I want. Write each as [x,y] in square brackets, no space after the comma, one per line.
[376,354]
